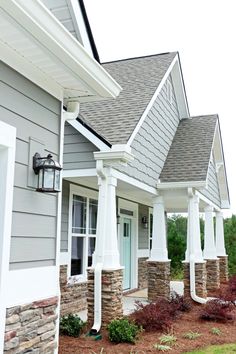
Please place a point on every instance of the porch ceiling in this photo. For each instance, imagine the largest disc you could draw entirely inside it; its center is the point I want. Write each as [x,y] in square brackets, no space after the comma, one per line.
[176,201]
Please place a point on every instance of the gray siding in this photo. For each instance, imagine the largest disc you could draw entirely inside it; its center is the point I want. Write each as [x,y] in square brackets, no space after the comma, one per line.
[35,114]
[78,151]
[212,191]
[65,216]
[143,237]
[153,140]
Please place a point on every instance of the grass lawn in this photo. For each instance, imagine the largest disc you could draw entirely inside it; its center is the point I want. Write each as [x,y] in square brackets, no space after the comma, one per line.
[216,349]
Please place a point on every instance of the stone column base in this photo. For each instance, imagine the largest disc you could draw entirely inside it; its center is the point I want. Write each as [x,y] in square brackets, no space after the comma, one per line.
[112,294]
[200,279]
[142,273]
[31,328]
[213,274]
[224,274]
[158,280]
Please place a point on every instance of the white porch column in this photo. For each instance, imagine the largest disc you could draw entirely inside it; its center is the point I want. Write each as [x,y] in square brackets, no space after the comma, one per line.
[194,237]
[159,242]
[106,250]
[209,237]
[220,240]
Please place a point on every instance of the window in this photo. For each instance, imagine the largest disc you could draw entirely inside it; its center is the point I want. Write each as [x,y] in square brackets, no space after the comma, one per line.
[150,228]
[83,231]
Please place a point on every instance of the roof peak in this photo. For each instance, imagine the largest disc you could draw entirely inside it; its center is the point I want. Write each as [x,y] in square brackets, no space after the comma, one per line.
[139,57]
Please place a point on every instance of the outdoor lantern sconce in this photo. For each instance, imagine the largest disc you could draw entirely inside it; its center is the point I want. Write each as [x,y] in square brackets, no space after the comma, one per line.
[145,222]
[48,172]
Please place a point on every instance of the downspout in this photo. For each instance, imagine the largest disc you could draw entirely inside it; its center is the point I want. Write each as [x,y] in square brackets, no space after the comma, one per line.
[193,294]
[98,276]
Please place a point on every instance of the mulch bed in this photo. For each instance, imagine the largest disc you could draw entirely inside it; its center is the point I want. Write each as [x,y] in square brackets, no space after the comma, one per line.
[187,322]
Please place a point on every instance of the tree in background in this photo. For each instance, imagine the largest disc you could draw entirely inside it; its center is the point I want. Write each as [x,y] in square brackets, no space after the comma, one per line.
[230,242]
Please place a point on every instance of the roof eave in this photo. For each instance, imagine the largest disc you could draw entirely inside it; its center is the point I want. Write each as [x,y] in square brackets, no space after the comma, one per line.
[181,184]
[35,19]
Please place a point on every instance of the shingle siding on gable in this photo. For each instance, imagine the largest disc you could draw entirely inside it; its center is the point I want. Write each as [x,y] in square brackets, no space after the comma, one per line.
[212,191]
[78,151]
[154,138]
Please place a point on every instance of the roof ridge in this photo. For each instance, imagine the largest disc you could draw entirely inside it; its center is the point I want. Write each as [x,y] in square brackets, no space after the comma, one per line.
[140,57]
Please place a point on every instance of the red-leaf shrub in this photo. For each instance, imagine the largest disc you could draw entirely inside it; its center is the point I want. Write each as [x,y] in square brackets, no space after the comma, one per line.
[180,303]
[228,292]
[154,316]
[217,310]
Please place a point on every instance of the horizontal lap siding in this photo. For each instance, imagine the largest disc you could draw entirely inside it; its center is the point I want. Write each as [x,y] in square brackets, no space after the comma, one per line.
[154,138]
[65,216]
[78,151]
[212,191]
[143,237]
[35,114]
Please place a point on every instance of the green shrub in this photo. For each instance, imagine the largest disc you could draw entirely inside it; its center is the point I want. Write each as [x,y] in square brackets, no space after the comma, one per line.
[71,325]
[123,331]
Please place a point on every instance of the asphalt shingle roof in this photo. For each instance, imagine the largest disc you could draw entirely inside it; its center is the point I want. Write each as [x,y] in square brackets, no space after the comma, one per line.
[115,120]
[190,152]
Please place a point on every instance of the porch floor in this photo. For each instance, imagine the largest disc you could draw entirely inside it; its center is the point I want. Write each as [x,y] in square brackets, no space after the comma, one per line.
[140,295]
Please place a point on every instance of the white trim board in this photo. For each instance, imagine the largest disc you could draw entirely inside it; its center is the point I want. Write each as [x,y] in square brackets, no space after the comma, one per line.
[89,135]
[207,201]
[32,284]
[7,165]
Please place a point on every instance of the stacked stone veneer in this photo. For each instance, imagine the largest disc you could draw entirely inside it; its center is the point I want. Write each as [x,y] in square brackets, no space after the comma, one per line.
[142,273]
[158,280]
[224,275]
[200,279]
[31,328]
[111,295]
[213,274]
[73,295]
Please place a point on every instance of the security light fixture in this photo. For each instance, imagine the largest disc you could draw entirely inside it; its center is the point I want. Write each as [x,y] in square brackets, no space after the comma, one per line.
[145,222]
[48,172]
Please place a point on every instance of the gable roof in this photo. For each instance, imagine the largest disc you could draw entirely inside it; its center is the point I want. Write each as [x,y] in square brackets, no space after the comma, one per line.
[190,152]
[139,77]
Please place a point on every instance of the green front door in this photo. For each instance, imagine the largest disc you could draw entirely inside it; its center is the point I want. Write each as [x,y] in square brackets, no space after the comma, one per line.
[126,252]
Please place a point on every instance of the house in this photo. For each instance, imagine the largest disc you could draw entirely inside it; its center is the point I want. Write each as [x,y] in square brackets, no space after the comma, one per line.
[126,163]
[43,69]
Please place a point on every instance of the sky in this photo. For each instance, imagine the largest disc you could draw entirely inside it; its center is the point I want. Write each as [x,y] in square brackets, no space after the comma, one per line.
[204,34]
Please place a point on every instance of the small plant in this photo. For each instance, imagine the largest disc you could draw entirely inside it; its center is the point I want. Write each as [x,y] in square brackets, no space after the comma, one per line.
[123,331]
[162,348]
[191,335]
[167,339]
[71,325]
[216,331]
[217,310]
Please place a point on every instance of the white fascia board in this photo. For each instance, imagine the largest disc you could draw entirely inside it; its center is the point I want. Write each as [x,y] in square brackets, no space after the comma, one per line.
[134,182]
[89,135]
[149,106]
[114,156]
[177,185]
[89,172]
[36,19]
[180,94]
[207,201]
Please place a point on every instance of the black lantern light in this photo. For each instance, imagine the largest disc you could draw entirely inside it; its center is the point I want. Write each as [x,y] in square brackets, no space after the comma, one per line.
[48,172]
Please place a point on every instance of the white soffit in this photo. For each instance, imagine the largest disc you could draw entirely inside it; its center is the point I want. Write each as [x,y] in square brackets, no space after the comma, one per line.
[38,46]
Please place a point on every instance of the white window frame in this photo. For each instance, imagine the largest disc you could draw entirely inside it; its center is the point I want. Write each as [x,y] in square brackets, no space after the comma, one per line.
[7,156]
[89,194]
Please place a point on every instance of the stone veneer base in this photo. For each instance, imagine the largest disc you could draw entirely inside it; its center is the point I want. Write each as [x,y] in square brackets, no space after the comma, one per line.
[224,273]
[31,328]
[158,280]
[73,295]
[213,274]
[112,294]
[142,273]
[200,279]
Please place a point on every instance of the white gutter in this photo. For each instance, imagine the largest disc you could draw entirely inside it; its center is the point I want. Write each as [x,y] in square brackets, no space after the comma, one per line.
[72,111]
[177,185]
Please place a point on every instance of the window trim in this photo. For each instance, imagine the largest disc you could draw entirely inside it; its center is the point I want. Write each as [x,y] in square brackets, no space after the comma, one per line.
[89,194]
